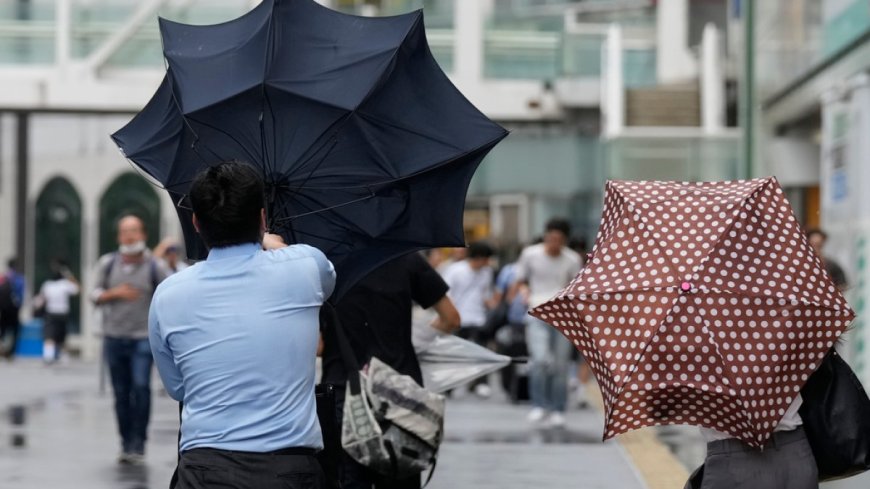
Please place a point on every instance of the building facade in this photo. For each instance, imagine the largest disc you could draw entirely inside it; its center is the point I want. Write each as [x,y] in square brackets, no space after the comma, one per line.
[591,90]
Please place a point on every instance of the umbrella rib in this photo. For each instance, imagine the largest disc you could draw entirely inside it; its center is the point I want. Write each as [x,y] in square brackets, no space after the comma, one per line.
[335,206]
[752,194]
[727,374]
[225,133]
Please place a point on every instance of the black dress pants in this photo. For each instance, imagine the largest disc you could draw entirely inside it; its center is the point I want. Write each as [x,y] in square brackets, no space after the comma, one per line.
[209,468]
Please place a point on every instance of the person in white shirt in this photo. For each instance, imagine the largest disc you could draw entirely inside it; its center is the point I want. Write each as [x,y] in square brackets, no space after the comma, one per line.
[471,290]
[546,268]
[54,298]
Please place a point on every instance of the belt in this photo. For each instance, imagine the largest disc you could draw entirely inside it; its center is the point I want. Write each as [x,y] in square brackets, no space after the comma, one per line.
[295,451]
[307,451]
[779,438]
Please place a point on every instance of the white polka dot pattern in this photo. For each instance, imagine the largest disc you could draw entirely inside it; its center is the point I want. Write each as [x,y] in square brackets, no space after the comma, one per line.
[702,304]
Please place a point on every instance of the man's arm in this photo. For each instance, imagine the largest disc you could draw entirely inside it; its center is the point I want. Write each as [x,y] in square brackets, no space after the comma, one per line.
[100,296]
[448,317]
[169,372]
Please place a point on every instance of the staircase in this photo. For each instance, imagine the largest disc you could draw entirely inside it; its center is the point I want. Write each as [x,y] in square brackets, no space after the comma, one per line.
[664,106]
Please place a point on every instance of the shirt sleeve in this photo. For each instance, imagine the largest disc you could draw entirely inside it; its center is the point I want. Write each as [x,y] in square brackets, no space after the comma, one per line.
[71,288]
[163,358]
[327,272]
[523,270]
[427,287]
[98,277]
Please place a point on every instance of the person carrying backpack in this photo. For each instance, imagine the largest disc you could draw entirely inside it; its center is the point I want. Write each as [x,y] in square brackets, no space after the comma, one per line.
[125,282]
[12,286]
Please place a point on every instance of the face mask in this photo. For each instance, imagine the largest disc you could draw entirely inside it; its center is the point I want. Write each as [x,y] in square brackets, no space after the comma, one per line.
[132,249]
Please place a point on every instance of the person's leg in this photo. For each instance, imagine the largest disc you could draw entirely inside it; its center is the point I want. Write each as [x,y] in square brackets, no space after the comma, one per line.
[117,357]
[480,385]
[561,366]
[538,344]
[60,335]
[14,331]
[785,463]
[140,398]
[49,346]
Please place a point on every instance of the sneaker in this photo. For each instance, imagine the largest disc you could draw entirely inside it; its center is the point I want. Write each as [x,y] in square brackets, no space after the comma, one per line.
[130,458]
[556,420]
[136,459]
[536,415]
[483,391]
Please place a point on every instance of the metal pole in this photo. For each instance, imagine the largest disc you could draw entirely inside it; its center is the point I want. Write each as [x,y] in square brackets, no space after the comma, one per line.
[748,87]
[22,184]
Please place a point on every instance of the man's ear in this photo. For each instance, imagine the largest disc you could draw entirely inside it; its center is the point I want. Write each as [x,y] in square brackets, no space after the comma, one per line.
[195,223]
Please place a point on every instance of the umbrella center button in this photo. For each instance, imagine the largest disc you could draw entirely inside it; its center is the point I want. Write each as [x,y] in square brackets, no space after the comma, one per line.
[686,287]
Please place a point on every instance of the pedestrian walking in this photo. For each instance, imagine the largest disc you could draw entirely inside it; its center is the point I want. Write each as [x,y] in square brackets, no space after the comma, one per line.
[54,300]
[818,239]
[168,252]
[470,283]
[546,268]
[125,281]
[12,285]
[376,318]
[235,340]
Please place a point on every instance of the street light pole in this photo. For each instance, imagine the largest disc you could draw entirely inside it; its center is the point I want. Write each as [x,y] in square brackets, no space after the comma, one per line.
[748,12]
[22,183]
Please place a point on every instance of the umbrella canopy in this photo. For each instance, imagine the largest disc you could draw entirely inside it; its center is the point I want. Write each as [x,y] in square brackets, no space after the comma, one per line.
[702,304]
[448,362]
[366,147]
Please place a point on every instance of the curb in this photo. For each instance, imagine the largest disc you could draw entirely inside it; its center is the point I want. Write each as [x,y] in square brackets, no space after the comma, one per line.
[654,463]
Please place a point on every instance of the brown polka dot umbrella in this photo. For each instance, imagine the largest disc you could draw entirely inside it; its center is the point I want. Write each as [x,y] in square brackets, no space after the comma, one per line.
[702,304]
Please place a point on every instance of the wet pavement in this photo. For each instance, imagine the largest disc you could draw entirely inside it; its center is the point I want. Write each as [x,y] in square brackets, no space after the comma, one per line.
[69,440]
[57,430]
[69,435]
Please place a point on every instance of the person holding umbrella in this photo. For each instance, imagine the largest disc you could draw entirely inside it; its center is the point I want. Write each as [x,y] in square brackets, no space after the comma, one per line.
[235,339]
[375,315]
[704,304]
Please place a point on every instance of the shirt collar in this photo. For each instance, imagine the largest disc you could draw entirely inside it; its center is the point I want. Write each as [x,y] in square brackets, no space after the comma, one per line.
[245,249]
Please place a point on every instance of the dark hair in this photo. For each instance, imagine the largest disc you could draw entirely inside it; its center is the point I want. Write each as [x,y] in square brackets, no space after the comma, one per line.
[813,231]
[12,263]
[479,249]
[227,200]
[558,224]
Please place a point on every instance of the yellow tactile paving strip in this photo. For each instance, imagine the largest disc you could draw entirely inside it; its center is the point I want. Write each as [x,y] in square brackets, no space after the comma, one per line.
[655,464]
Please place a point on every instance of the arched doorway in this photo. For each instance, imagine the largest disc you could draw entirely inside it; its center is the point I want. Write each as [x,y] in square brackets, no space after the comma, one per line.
[128,194]
[59,236]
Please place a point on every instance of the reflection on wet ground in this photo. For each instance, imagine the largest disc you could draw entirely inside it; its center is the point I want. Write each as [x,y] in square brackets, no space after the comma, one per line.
[69,440]
[558,436]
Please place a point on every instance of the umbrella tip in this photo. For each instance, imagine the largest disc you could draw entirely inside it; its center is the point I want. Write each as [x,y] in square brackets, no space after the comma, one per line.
[686,286]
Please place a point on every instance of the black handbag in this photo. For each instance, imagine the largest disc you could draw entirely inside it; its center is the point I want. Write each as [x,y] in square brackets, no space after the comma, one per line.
[836,417]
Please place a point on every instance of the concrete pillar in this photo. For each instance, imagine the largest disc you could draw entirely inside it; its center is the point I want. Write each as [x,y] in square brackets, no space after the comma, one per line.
[613,85]
[674,63]
[62,37]
[468,21]
[712,82]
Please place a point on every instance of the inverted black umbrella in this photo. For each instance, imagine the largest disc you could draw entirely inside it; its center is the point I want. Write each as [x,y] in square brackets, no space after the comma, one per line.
[366,147]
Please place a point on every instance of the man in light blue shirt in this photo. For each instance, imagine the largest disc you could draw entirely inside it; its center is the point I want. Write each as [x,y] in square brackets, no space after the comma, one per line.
[235,338]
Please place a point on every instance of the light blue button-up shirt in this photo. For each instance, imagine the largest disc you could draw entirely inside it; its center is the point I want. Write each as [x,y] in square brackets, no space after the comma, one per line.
[235,338]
